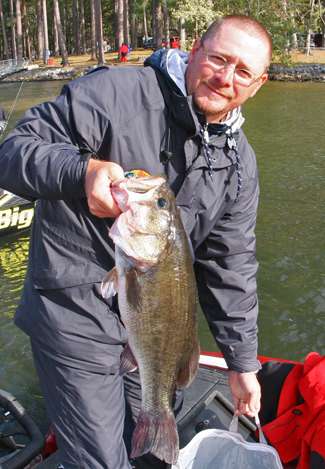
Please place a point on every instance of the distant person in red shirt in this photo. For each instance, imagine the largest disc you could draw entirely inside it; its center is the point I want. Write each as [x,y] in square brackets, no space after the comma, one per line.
[123,52]
[174,43]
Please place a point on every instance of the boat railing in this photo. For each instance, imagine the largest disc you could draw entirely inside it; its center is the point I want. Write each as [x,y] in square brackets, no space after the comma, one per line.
[12,65]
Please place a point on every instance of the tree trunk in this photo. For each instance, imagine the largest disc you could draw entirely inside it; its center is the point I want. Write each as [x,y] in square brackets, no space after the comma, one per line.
[126,24]
[99,32]
[120,23]
[93,30]
[66,22]
[157,24]
[4,34]
[27,42]
[166,22]
[13,31]
[76,29]
[145,24]
[19,31]
[294,41]
[134,24]
[321,17]
[182,33]
[82,27]
[312,4]
[46,52]
[40,30]
[56,51]
[61,38]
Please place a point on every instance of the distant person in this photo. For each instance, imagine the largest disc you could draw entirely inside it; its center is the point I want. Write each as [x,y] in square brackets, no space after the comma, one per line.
[123,52]
[174,43]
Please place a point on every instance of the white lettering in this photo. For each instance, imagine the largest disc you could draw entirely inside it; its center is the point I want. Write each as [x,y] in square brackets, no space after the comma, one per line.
[5,218]
[15,217]
[25,218]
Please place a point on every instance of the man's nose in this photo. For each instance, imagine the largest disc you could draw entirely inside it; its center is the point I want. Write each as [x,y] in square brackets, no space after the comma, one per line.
[226,74]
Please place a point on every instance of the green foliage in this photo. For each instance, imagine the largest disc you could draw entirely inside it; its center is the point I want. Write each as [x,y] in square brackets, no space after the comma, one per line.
[282,18]
[198,14]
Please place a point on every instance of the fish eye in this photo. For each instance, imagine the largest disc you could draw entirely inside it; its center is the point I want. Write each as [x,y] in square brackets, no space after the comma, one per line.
[129,175]
[161,202]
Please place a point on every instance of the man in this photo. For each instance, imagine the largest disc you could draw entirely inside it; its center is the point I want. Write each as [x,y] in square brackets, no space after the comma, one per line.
[179,115]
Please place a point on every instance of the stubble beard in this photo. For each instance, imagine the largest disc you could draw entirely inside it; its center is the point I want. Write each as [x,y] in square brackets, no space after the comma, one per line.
[213,111]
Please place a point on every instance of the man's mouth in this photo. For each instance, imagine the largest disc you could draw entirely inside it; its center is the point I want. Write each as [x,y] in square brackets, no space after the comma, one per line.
[216,91]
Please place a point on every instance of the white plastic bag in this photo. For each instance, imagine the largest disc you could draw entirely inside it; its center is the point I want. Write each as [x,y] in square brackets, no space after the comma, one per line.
[222,449]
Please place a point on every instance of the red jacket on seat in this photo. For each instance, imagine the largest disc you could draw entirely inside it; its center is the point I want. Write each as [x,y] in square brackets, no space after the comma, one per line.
[299,427]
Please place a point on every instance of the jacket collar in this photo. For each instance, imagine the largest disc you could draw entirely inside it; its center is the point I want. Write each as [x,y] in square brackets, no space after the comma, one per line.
[171,65]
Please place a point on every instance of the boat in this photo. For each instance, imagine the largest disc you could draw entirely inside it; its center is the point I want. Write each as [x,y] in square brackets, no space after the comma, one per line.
[207,404]
[16,213]
[20,439]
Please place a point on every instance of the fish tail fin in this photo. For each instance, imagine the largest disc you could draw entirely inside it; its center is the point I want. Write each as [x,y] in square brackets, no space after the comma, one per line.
[156,434]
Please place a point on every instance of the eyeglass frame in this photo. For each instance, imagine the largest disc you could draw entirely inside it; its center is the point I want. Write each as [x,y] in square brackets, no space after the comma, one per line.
[226,64]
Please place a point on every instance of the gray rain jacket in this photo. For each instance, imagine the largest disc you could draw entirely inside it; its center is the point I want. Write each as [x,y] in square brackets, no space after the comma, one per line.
[140,119]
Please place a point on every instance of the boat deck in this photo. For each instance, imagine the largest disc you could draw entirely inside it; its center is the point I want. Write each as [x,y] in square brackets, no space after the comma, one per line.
[206,405]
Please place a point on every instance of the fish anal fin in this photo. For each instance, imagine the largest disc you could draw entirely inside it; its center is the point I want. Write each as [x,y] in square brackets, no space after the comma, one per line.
[188,371]
[109,285]
[156,434]
[128,362]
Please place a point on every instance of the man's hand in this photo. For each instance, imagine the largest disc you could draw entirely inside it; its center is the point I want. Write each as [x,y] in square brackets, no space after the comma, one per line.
[246,392]
[99,175]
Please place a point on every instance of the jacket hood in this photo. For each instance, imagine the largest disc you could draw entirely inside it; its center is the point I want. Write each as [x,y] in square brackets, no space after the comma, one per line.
[172,63]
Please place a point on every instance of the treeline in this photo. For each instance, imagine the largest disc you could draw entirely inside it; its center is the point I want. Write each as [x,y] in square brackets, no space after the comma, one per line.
[33,29]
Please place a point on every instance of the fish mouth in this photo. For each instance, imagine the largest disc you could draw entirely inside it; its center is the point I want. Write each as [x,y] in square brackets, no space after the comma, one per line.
[118,233]
[129,190]
[139,243]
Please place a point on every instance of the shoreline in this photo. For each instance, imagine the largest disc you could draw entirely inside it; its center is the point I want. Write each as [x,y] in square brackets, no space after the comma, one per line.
[295,73]
[298,72]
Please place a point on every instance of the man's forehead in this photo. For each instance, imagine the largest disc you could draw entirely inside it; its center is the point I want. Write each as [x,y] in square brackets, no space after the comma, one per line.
[235,40]
[233,29]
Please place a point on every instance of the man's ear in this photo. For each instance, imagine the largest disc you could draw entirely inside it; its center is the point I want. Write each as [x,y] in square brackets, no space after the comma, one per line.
[260,83]
[196,46]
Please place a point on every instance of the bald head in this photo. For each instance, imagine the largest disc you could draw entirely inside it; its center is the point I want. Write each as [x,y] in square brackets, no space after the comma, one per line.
[245,23]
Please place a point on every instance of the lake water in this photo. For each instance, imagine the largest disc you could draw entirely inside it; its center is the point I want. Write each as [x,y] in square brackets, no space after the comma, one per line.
[285,125]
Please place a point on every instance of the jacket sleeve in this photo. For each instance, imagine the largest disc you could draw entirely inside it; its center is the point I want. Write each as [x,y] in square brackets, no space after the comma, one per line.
[226,270]
[46,155]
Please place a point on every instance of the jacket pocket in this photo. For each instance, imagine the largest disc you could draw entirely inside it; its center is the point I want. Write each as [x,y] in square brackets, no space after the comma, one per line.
[58,260]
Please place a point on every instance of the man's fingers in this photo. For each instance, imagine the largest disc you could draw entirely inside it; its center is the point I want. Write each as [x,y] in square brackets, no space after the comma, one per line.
[115,172]
[103,208]
[254,403]
[246,392]
[99,176]
[241,407]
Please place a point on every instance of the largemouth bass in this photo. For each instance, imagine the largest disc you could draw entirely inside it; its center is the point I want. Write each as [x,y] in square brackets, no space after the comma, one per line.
[157,297]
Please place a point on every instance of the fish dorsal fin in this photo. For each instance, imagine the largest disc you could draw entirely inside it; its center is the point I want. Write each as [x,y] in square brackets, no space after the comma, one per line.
[109,285]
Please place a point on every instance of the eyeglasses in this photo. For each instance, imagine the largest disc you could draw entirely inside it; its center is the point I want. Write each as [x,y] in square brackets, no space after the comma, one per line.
[242,76]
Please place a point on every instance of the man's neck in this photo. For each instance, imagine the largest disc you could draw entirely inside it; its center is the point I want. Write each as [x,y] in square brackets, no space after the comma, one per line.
[213,119]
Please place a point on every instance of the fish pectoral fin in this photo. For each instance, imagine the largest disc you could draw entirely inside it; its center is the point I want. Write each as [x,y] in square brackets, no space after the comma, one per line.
[109,285]
[128,362]
[187,373]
